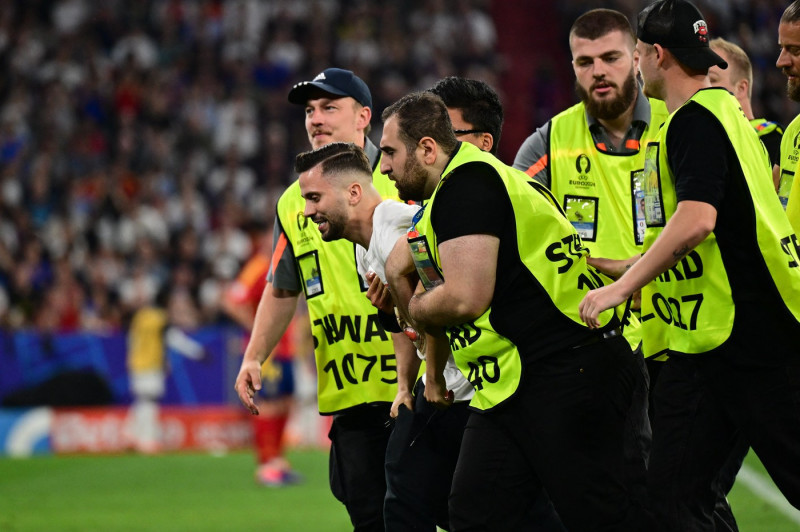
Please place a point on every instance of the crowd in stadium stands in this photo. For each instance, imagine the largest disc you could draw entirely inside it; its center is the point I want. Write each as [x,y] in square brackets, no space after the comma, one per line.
[141,141]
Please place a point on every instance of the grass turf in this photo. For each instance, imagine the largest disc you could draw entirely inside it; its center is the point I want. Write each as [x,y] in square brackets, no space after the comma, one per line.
[198,492]
[178,492]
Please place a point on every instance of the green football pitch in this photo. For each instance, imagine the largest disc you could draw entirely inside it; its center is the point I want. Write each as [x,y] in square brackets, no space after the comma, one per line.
[197,492]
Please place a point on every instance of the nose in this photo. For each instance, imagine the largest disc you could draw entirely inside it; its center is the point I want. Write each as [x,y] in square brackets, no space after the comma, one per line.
[314,117]
[385,167]
[308,211]
[783,59]
[598,68]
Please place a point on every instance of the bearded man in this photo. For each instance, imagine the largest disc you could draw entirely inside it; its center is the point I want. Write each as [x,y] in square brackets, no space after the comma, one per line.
[591,157]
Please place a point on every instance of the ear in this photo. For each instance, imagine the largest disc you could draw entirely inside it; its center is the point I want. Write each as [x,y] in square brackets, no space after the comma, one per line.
[741,88]
[430,150]
[635,60]
[487,141]
[363,118]
[661,55]
[354,193]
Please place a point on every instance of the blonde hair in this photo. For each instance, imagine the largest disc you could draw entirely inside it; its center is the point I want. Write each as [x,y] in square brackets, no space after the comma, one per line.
[737,60]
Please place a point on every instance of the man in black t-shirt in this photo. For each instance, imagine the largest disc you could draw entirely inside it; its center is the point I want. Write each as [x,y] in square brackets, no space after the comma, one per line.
[560,418]
[719,282]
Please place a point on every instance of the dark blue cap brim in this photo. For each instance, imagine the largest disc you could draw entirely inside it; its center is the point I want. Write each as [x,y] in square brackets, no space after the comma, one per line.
[299,94]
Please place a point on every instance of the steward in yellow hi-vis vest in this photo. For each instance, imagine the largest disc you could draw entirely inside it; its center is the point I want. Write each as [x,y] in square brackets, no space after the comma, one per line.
[549,248]
[600,192]
[354,354]
[692,307]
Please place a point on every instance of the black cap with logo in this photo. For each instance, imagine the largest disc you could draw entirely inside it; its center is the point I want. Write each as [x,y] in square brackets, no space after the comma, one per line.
[336,81]
[678,26]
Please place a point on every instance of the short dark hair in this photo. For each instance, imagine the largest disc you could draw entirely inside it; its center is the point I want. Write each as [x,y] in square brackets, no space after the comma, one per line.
[600,22]
[478,102]
[422,114]
[336,157]
[792,13]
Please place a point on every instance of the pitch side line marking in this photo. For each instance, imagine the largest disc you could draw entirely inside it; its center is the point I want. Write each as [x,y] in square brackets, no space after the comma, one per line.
[756,483]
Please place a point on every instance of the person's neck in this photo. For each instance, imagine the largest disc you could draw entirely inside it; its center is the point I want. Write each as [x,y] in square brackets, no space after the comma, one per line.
[617,128]
[435,172]
[747,109]
[683,88]
[361,232]
[361,141]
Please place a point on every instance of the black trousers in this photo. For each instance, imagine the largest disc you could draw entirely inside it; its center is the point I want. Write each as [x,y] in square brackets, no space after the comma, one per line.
[420,460]
[564,426]
[359,437]
[704,406]
[638,432]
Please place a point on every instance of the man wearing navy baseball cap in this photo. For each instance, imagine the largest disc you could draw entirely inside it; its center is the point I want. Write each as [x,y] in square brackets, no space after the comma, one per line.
[348,120]
[306,259]
[719,276]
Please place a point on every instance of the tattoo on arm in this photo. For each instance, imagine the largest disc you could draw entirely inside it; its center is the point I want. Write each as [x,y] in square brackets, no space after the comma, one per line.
[678,254]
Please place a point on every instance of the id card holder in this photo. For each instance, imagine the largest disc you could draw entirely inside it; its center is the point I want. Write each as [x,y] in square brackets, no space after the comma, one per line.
[310,273]
[581,211]
[638,207]
[426,269]
[651,188]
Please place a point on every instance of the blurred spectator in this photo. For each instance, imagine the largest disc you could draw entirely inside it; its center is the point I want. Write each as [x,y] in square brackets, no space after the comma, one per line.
[138,140]
[158,324]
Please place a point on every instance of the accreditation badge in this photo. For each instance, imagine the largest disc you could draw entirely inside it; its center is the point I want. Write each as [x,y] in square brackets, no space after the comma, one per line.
[310,273]
[638,207]
[651,188]
[581,212]
[426,269]
[429,274]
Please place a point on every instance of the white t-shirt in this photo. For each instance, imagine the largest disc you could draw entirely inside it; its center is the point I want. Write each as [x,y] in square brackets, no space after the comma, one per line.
[391,221]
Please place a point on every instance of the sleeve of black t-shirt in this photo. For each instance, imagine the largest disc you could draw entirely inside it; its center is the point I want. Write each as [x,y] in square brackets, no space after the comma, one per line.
[698,149]
[772,141]
[472,200]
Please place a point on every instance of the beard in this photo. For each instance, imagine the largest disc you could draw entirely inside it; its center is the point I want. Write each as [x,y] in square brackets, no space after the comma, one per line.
[336,224]
[654,89]
[609,109]
[793,90]
[412,185]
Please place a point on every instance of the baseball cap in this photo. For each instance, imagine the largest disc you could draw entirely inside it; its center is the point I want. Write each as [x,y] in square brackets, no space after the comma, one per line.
[678,26]
[335,81]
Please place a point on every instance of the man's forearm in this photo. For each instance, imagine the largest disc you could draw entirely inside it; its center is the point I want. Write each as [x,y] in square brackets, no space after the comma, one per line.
[438,308]
[272,319]
[407,362]
[691,224]
[437,351]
